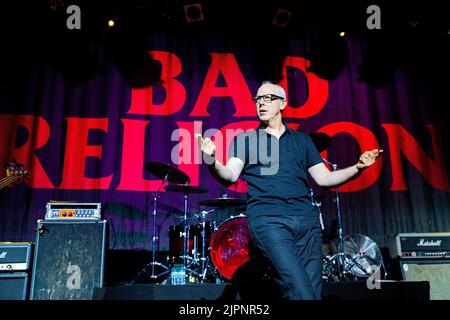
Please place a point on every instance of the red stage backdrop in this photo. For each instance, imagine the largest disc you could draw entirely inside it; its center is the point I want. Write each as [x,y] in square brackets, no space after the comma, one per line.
[86,126]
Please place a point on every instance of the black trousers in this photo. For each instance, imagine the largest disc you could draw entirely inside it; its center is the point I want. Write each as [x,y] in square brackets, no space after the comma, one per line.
[293,244]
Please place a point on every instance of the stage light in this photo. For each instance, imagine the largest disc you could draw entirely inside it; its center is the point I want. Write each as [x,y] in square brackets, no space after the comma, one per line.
[193,12]
[281,18]
[412,24]
[342,34]
[111,23]
[56,6]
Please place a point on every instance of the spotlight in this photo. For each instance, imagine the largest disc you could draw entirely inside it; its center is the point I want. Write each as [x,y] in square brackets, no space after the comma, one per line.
[281,18]
[413,24]
[193,12]
[56,6]
[342,34]
[111,23]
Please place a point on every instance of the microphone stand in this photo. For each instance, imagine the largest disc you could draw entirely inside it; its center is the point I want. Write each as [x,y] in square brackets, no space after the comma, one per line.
[317,204]
[341,253]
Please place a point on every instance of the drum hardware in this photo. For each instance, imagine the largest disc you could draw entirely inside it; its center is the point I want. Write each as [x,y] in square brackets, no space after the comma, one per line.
[199,235]
[207,269]
[225,206]
[338,259]
[198,267]
[166,173]
[203,259]
[186,190]
[361,258]
[363,255]
[357,255]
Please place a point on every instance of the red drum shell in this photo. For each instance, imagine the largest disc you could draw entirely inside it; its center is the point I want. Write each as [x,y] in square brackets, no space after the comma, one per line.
[230,246]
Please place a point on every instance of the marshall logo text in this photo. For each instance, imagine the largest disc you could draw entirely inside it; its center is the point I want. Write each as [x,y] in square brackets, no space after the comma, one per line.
[429,243]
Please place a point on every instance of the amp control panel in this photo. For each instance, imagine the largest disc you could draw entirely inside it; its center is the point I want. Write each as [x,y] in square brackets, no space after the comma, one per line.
[76,211]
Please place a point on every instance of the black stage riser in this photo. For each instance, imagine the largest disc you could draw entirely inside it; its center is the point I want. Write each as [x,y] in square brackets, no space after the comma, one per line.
[390,290]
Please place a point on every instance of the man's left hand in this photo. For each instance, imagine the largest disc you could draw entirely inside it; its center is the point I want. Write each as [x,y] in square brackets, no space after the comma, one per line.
[368,158]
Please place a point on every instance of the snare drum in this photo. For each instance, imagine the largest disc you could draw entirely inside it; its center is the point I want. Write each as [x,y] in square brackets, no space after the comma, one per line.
[230,246]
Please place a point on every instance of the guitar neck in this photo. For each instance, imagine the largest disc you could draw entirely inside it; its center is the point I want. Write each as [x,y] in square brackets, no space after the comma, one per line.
[4,182]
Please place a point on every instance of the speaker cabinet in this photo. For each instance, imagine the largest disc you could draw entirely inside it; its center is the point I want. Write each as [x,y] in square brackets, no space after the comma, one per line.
[68,259]
[14,286]
[436,272]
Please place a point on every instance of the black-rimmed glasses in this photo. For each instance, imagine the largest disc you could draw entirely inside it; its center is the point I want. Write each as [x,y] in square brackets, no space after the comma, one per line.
[266,98]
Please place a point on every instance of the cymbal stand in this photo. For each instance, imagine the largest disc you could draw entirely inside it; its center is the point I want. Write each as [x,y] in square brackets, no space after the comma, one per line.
[185,238]
[154,263]
[204,259]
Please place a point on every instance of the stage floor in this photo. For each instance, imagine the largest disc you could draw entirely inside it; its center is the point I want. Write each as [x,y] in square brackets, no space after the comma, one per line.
[382,290]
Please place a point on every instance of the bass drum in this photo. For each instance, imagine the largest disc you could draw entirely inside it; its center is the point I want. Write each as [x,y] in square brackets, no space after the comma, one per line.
[230,246]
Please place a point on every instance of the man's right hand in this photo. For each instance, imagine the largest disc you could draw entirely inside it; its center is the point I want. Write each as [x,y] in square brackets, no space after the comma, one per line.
[206,145]
[226,174]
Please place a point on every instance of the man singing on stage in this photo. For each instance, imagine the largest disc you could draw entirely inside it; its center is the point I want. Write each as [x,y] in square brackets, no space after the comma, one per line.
[283,223]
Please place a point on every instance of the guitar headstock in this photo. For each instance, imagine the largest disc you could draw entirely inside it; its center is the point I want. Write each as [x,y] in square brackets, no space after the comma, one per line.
[17,169]
[15,173]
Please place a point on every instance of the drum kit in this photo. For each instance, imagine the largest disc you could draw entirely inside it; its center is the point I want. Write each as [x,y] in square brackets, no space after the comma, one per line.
[212,251]
[190,251]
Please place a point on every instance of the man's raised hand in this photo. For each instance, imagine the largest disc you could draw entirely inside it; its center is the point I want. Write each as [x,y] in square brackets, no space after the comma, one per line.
[206,145]
[368,158]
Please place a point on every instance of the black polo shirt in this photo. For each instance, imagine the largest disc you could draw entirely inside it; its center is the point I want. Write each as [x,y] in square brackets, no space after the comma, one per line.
[276,171]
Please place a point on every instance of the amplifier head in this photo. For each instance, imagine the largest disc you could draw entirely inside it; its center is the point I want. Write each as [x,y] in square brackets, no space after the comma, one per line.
[421,245]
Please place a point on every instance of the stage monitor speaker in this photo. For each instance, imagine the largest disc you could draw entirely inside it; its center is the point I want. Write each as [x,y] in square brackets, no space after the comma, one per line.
[68,259]
[436,272]
[14,286]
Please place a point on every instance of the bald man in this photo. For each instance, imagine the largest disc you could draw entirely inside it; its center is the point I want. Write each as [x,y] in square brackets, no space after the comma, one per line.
[275,161]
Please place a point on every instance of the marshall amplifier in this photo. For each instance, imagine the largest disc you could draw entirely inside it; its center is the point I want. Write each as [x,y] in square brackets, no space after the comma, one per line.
[422,245]
[15,265]
[435,271]
[15,256]
[14,285]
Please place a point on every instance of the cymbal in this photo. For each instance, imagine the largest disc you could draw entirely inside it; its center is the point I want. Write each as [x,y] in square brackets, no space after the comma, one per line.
[321,140]
[363,253]
[166,171]
[223,202]
[185,188]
